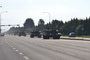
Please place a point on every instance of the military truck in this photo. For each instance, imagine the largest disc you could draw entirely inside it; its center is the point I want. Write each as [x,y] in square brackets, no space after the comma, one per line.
[51,33]
[22,33]
[36,33]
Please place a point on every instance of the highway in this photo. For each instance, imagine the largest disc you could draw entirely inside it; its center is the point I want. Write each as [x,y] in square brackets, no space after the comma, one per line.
[26,48]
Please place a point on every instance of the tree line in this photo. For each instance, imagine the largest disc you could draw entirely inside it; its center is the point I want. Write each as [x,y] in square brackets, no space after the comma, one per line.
[79,26]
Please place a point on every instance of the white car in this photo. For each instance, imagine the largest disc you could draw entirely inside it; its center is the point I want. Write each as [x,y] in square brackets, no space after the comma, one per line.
[72,34]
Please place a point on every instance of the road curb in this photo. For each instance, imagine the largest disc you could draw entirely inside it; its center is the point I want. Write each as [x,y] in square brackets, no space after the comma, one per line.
[76,38]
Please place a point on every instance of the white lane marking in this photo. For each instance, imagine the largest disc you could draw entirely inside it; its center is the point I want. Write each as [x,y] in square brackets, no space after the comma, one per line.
[8,43]
[16,50]
[26,57]
[21,53]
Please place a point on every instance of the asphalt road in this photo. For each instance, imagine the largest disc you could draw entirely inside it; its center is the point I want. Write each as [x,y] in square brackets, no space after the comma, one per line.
[26,48]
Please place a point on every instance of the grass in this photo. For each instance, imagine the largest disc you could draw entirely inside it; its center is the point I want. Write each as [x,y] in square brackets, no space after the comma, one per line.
[84,36]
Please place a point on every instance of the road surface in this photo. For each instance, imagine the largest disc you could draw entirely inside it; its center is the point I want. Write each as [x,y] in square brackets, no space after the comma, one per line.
[26,48]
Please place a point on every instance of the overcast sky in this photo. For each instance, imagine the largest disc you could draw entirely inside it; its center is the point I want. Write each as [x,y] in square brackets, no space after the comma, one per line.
[20,10]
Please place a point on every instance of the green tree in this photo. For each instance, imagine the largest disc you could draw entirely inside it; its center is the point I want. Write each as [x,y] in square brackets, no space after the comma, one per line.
[29,23]
[79,30]
[56,24]
[69,26]
[41,24]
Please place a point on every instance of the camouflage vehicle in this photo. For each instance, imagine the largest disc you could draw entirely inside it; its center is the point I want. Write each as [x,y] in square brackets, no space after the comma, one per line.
[35,33]
[51,33]
[16,33]
[22,33]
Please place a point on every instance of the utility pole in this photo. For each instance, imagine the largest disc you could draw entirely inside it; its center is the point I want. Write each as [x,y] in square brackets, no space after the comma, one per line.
[48,15]
[49,18]
[0,20]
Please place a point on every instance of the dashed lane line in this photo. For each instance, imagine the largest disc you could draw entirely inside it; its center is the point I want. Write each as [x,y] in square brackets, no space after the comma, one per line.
[21,53]
[25,57]
[17,50]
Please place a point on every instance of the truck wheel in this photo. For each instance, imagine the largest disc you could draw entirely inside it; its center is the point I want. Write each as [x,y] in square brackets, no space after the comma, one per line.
[45,37]
[56,37]
[31,36]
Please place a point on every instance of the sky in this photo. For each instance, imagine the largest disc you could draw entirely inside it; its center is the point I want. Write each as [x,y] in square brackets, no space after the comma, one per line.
[19,10]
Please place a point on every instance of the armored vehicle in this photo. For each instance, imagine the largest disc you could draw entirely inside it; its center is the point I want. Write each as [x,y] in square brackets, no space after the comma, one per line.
[51,33]
[22,33]
[35,33]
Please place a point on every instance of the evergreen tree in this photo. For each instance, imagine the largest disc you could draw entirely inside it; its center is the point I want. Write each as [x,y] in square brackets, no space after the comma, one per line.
[29,23]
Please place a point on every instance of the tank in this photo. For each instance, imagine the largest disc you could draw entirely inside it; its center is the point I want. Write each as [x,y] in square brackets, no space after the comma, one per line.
[22,33]
[36,33]
[51,33]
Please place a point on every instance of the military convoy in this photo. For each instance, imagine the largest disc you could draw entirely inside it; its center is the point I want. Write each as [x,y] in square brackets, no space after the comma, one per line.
[46,34]
[22,33]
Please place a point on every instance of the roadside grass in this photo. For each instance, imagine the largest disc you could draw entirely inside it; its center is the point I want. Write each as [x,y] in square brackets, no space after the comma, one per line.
[84,36]
[64,35]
